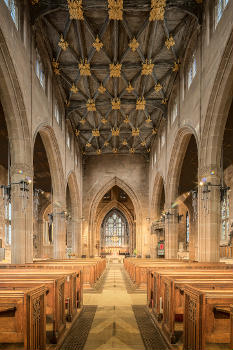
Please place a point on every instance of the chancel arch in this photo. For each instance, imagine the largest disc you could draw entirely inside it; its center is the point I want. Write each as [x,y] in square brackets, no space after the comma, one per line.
[115,197]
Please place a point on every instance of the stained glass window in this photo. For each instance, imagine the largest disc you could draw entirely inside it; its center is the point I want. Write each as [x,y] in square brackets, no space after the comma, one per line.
[115,230]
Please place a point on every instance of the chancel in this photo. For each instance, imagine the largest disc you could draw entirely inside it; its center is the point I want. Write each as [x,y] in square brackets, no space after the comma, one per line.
[116,174]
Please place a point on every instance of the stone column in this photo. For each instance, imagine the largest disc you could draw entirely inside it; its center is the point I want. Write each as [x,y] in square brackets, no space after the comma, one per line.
[22,216]
[209,219]
[171,234]
[59,231]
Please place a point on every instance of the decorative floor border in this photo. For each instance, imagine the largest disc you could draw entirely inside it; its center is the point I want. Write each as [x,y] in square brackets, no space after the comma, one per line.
[77,336]
[151,336]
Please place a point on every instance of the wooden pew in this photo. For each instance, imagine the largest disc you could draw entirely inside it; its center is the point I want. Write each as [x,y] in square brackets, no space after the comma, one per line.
[60,285]
[142,269]
[231,318]
[157,289]
[55,302]
[173,300]
[206,318]
[22,317]
[73,276]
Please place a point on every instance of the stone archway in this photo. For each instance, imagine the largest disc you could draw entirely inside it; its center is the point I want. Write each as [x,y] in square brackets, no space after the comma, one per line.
[157,207]
[158,187]
[176,160]
[178,154]
[93,210]
[128,215]
[58,187]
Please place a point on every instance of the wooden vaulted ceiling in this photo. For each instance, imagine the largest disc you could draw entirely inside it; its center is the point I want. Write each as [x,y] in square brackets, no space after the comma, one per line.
[115,63]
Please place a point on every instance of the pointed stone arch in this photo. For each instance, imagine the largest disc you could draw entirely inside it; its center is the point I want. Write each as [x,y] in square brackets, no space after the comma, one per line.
[159,184]
[55,161]
[11,98]
[115,181]
[58,185]
[123,209]
[176,160]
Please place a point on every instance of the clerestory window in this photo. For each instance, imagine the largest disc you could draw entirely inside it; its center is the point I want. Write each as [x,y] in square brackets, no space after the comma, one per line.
[14,11]
[192,70]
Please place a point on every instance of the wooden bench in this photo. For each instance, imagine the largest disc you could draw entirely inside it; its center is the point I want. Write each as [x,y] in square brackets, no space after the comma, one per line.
[155,294]
[207,318]
[22,317]
[55,300]
[173,300]
[64,288]
[74,276]
[142,270]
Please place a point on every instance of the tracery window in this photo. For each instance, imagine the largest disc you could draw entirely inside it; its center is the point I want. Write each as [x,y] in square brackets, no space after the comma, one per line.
[187,227]
[192,70]
[225,217]
[14,11]
[8,223]
[115,230]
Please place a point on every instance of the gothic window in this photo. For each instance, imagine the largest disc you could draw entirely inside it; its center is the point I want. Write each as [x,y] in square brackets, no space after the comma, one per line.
[174,110]
[57,114]
[192,70]
[68,140]
[8,223]
[187,227]
[225,218]
[115,230]
[219,8]
[163,138]
[14,11]
[40,70]
[155,158]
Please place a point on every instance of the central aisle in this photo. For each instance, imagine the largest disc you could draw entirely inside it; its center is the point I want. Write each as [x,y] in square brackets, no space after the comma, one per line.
[114,325]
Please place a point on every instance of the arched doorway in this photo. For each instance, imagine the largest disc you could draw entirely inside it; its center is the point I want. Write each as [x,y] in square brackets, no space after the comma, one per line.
[115,233]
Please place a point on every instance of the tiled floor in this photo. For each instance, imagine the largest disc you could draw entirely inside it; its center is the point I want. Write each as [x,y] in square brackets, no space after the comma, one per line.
[114,325]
